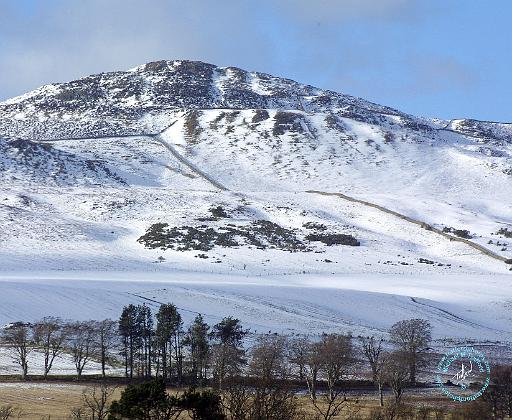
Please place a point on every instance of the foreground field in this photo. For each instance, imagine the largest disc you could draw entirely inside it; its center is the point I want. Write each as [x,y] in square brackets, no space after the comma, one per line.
[54,401]
[37,400]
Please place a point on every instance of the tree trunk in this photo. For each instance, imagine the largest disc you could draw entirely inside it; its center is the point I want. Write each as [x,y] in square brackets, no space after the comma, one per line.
[312,388]
[131,357]
[150,373]
[165,368]
[103,362]
[412,377]
[46,369]
[24,370]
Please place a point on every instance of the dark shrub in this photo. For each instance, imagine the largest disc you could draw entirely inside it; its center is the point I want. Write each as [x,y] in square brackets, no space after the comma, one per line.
[314,226]
[505,232]
[144,401]
[260,115]
[219,212]
[204,405]
[333,239]
[287,122]
[461,233]
[260,233]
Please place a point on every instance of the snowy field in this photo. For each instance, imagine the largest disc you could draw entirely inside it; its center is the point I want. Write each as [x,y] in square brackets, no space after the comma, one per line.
[62,365]
[465,307]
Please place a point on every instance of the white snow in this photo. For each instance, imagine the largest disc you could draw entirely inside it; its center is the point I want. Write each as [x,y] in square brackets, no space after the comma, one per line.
[62,365]
[68,238]
[458,306]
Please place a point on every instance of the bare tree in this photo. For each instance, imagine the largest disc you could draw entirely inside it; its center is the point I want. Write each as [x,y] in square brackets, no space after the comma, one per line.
[50,336]
[8,412]
[227,362]
[502,381]
[396,373]
[329,359]
[412,337]
[372,350]
[237,399]
[107,340]
[19,340]
[336,355]
[273,399]
[499,393]
[312,365]
[82,339]
[95,403]
[297,354]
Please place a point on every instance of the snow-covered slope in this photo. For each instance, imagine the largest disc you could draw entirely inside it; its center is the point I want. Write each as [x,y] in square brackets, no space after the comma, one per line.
[185,166]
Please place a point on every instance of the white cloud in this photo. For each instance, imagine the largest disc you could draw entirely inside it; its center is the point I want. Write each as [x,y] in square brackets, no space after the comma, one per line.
[72,39]
[346,45]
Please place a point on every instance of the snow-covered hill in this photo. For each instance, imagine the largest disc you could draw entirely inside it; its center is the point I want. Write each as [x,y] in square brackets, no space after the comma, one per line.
[184,166]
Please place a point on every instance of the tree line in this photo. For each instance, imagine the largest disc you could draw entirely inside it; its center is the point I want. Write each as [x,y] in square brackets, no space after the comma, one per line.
[252,376]
[51,337]
[151,344]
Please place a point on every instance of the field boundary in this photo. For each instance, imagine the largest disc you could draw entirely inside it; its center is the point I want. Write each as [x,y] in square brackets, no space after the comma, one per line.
[417,222]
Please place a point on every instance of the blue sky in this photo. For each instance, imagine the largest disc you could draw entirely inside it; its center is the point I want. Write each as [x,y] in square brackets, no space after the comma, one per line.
[446,59]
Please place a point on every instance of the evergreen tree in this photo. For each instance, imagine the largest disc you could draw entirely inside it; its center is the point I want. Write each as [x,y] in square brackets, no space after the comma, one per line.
[145,335]
[150,401]
[229,331]
[146,401]
[128,333]
[199,347]
[228,354]
[202,405]
[168,340]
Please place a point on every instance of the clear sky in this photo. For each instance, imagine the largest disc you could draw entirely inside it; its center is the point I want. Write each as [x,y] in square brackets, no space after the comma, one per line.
[438,58]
